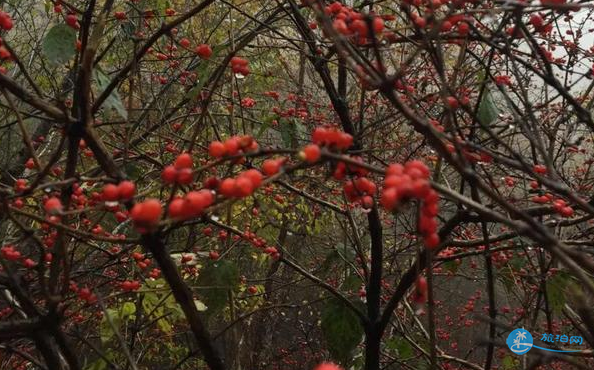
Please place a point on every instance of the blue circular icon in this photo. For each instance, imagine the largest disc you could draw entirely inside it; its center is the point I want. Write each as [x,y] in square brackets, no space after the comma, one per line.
[519,341]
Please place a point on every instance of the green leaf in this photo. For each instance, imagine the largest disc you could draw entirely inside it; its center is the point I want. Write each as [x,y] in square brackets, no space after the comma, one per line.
[509,363]
[113,101]
[216,280]
[341,329]
[556,290]
[488,111]
[401,346]
[59,44]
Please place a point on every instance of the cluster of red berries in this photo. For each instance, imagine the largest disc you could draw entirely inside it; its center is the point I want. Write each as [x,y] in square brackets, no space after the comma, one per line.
[241,186]
[342,169]
[260,243]
[332,138]
[191,205]
[559,205]
[351,23]
[411,181]
[141,261]
[130,285]
[124,191]
[232,146]
[10,253]
[5,21]
[240,66]
[360,189]
[86,295]
[180,172]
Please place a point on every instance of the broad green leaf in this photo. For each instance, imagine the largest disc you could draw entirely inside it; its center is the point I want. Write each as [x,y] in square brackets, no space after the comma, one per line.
[341,329]
[216,280]
[59,44]
[556,290]
[401,345]
[113,101]
[488,111]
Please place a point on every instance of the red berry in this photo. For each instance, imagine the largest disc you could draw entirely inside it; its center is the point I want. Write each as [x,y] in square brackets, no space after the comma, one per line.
[227,187]
[271,167]
[184,160]
[311,153]
[126,190]
[169,175]
[255,177]
[72,21]
[431,241]
[452,102]
[176,209]
[110,193]
[30,164]
[327,366]
[53,205]
[204,51]
[243,187]
[147,213]
[184,42]
[185,176]
[216,149]
[213,255]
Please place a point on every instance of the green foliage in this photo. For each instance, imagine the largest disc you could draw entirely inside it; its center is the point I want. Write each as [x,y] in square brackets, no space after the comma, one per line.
[341,329]
[488,111]
[216,280]
[401,346]
[118,316]
[557,288]
[113,101]
[59,44]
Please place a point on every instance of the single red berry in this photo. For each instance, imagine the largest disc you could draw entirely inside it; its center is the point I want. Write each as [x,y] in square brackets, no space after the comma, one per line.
[213,255]
[327,366]
[53,205]
[183,160]
[185,43]
[204,51]
[147,213]
[184,176]
[271,167]
[311,153]
[110,193]
[126,190]
[169,175]
[216,149]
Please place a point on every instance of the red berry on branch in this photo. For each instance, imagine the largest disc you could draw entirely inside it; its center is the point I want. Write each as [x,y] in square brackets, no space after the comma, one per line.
[184,160]
[53,205]
[216,149]
[311,153]
[204,51]
[271,167]
[146,214]
[110,193]
[169,175]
